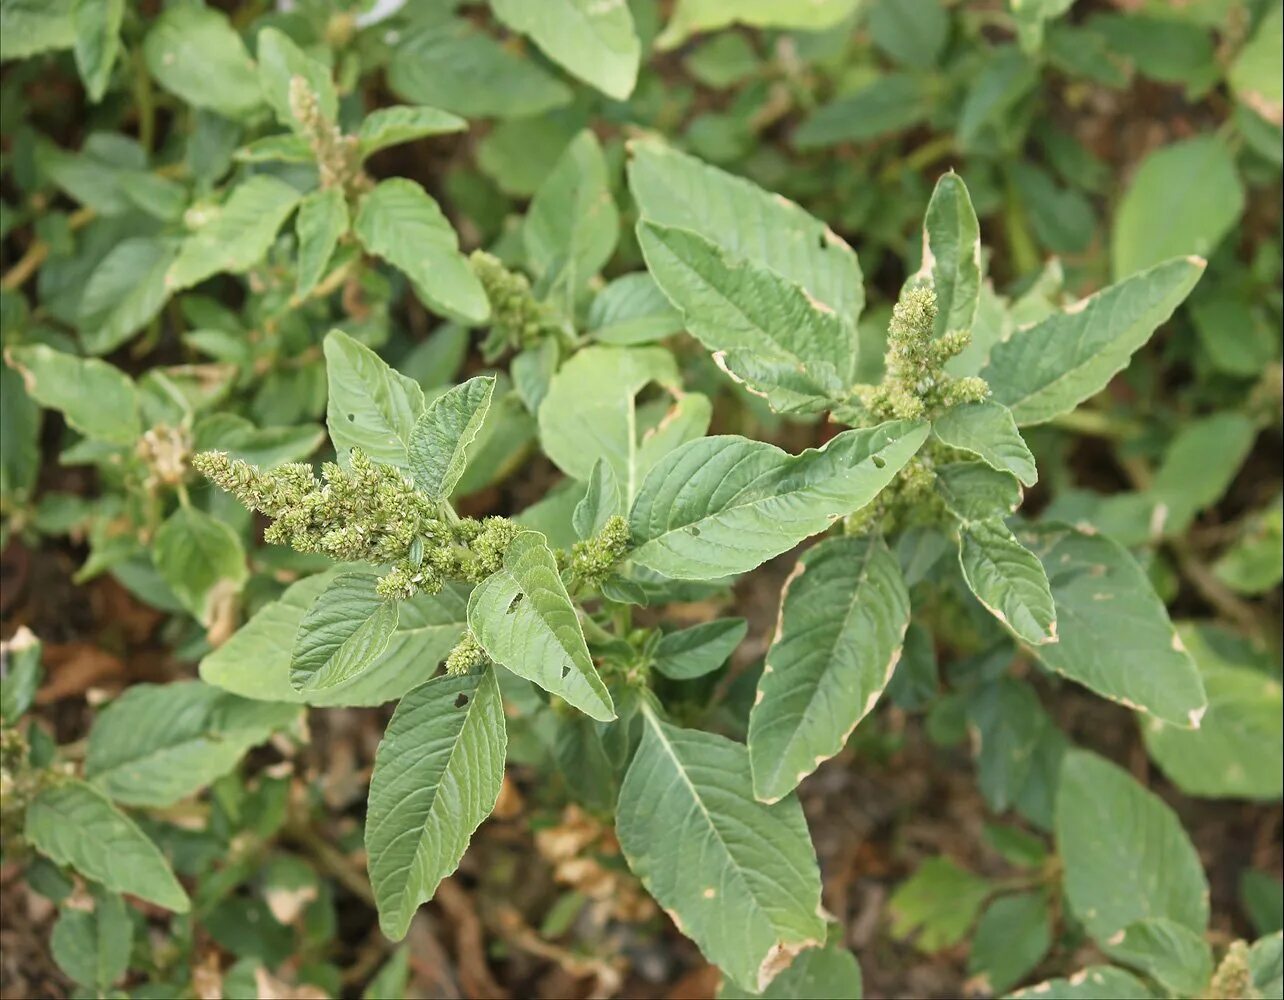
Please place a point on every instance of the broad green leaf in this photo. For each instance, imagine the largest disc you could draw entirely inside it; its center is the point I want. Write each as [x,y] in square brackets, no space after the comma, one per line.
[436,776]
[632,310]
[239,234]
[1173,955]
[988,431]
[572,224]
[392,126]
[1255,75]
[280,61]
[401,223]
[370,406]
[322,220]
[1012,937]
[1266,963]
[456,67]
[125,292]
[591,413]
[589,39]
[692,16]
[255,661]
[701,649]
[826,973]
[1238,749]
[19,437]
[29,27]
[937,905]
[601,501]
[724,505]
[97,26]
[201,559]
[1100,591]
[1198,467]
[195,53]
[158,743]
[525,621]
[843,617]
[393,977]
[1155,221]
[22,674]
[951,253]
[738,876]
[750,224]
[98,400]
[764,330]
[93,947]
[1124,853]
[73,823]
[439,443]
[1255,562]
[1097,982]
[885,105]
[265,447]
[1012,739]
[1051,367]
[342,633]
[1008,579]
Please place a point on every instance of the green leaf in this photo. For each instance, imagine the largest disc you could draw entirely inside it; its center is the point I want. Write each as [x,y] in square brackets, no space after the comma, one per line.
[1238,749]
[1124,853]
[401,223]
[525,621]
[265,447]
[951,252]
[739,877]
[1051,367]
[1100,591]
[572,224]
[370,405]
[98,400]
[591,40]
[1097,982]
[1008,579]
[342,633]
[280,61]
[591,413]
[392,126]
[1013,935]
[158,743]
[887,104]
[322,220]
[195,53]
[1255,75]
[73,823]
[601,501]
[125,292]
[1174,956]
[19,437]
[238,236]
[93,948]
[97,25]
[827,973]
[456,67]
[22,674]
[439,443]
[724,505]
[678,191]
[1266,962]
[766,331]
[701,649]
[1198,467]
[1155,220]
[988,431]
[632,310]
[938,903]
[200,558]
[255,661]
[843,615]
[437,774]
[29,27]
[692,16]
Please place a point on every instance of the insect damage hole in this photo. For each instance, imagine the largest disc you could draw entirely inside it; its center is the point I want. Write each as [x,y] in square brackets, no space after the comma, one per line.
[461,700]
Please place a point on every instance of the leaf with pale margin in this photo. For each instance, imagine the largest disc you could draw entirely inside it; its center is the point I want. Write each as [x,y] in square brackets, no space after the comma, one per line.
[1099,590]
[738,876]
[342,633]
[1170,953]
[826,973]
[72,823]
[1097,982]
[392,126]
[843,615]
[525,621]
[951,255]
[255,662]
[1125,856]
[988,431]
[370,406]
[676,190]
[195,553]
[436,776]
[724,505]
[592,40]
[701,649]
[400,222]
[1047,369]
[97,399]
[764,329]
[1008,579]
[439,443]
[322,219]
[158,743]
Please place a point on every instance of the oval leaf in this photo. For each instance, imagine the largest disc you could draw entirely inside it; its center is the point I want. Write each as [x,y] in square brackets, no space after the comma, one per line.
[342,634]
